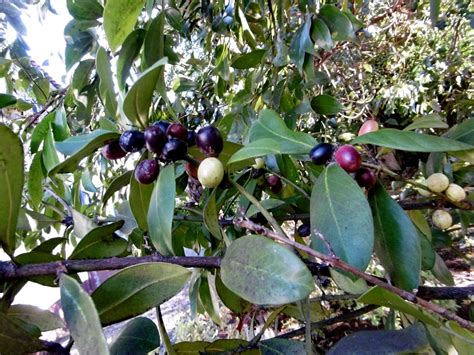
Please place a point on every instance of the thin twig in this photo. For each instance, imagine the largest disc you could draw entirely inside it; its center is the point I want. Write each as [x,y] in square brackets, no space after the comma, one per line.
[339,264]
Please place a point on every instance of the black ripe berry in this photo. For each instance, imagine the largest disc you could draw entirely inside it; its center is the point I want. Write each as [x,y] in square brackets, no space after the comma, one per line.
[132,141]
[113,151]
[365,178]
[209,141]
[177,130]
[173,150]
[274,182]
[147,171]
[321,153]
[304,230]
[155,138]
[162,124]
[191,138]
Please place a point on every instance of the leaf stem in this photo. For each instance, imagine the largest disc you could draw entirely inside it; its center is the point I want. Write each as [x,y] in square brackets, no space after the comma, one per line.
[163,334]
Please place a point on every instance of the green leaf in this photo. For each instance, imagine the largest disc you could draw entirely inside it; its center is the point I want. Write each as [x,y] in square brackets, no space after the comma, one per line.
[82,75]
[11,186]
[81,318]
[428,255]
[138,288]
[326,105]
[161,212]
[43,319]
[106,83]
[117,184]
[59,125]
[85,9]
[428,121]
[174,19]
[268,204]
[41,90]
[257,148]
[154,40]
[139,198]
[50,156]
[235,303]
[139,337]
[339,24]
[120,17]
[411,141]
[434,11]
[382,297]
[249,60]
[211,215]
[79,147]
[136,104]
[301,44]
[35,179]
[463,132]
[129,52]
[208,299]
[252,268]
[347,227]
[277,346]
[320,34]
[7,100]
[396,240]
[101,242]
[40,132]
[15,339]
[441,271]
[271,126]
[412,339]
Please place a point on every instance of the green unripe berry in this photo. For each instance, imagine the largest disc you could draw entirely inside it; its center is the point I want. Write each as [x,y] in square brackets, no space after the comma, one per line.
[455,193]
[437,182]
[421,191]
[442,219]
[210,172]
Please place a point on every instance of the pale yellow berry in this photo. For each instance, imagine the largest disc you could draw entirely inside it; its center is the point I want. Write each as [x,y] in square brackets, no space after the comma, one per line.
[421,191]
[259,163]
[210,172]
[437,182]
[442,219]
[455,193]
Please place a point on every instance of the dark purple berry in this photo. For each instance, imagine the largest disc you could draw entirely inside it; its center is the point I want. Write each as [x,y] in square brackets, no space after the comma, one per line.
[209,141]
[162,124]
[275,184]
[191,139]
[365,178]
[155,138]
[304,230]
[147,171]
[321,153]
[132,141]
[173,150]
[177,130]
[113,151]
[348,158]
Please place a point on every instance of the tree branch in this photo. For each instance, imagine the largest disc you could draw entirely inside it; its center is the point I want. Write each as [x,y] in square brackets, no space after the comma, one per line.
[339,264]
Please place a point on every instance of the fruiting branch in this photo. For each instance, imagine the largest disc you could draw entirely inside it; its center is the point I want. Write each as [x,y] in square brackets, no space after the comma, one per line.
[339,264]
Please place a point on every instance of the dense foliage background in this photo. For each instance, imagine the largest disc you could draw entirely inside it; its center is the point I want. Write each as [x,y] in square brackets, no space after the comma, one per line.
[276,78]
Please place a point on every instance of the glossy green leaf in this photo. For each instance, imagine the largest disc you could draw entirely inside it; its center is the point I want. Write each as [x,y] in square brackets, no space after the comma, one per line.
[136,105]
[252,269]
[434,11]
[408,340]
[382,297]
[419,220]
[191,347]
[154,47]
[339,24]
[60,126]
[211,215]
[82,75]
[38,257]
[174,19]
[15,339]
[463,132]
[7,100]
[249,60]
[257,148]
[41,90]
[82,224]
[101,242]
[106,83]
[271,126]
[50,156]
[396,240]
[85,9]
[43,319]
[139,198]
[116,185]
[129,52]
[326,105]
[11,186]
[161,211]
[351,238]
[411,141]
[441,271]
[138,288]
[428,255]
[81,318]
[139,337]
[79,147]
[35,179]
[235,303]
[277,346]
[33,221]
[120,17]
[268,204]
[40,132]
[428,121]
[320,34]
[208,299]
[301,44]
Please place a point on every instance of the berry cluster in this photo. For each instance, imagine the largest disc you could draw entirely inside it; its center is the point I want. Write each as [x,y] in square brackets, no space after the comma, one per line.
[169,142]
